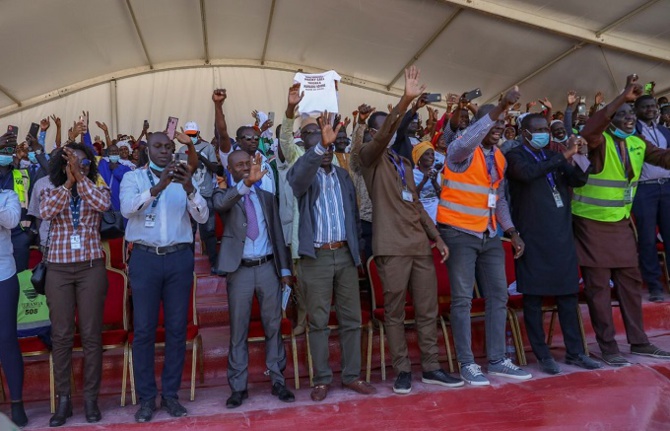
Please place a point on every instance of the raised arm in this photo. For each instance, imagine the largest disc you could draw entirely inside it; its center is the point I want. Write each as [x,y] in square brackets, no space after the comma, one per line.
[218,97]
[363,113]
[58,130]
[288,148]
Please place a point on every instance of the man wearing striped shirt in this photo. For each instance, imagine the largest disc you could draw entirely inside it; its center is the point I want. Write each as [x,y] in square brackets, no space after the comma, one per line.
[329,234]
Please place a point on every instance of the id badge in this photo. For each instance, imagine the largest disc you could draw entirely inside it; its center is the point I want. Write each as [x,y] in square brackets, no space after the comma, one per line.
[286,294]
[557,199]
[75,242]
[492,200]
[150,220]
[628,195]
[407,196]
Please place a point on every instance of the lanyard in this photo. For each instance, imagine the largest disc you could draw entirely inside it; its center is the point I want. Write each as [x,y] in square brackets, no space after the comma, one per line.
[624,157]
[153,184]
[399,167]
[550,175]
[75,207]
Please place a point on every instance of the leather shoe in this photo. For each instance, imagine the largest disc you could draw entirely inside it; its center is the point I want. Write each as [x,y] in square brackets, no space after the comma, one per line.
[583,361]
[173,407]
[319,392]
[549,366]
[236,398]
[92,411]
[19,414]
[280,391]
[146,411]
[63,411]
[360,386]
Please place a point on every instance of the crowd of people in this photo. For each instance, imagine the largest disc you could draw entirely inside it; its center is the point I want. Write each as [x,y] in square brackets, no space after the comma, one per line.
[581,193]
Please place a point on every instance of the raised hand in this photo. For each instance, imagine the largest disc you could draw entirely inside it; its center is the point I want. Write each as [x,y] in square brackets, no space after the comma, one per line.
[364,111]
[389,107]
[600,98]
[346,122]
[328,135]
[8,140]
[420,102]
[574,144]
[572,98]
[33,143]
[293,100]
[56,120]
[76,130]
[219,96]
[545,102]
[511,97]
[182,138]
[413,87]
[44,124]
[73,163]
[254,115]
[102,126]
[530,104]
[268,123]
[633,89]
[517,106]
[255,173]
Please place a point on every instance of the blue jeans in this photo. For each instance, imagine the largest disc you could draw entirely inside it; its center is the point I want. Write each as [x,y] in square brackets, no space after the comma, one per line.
[651,208]
[483,260]
[154,279]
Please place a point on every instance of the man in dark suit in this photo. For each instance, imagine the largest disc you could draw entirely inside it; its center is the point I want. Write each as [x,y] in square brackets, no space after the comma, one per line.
[254,256]
[329,248]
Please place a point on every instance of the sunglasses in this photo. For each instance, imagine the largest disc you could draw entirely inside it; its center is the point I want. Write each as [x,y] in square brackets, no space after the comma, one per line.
[248,138]
[8,151]
[84,163]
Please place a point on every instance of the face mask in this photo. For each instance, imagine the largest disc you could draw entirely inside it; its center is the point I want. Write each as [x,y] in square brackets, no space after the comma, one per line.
[619,133]
[194,140]
[24,164]
[114,159]
[539,140]
[32,156]
[392,141]
[565,138]
[6,160]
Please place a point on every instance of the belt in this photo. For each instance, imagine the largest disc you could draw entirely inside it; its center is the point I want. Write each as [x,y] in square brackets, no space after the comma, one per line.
[162,251]
[333,245]
[250,263]
[656,181]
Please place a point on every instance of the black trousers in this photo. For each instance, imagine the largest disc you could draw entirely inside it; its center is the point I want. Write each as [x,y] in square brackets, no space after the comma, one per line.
[567,316]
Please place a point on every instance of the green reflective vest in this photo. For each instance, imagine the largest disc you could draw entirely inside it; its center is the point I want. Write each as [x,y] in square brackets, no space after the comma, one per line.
[33,312]
[608,195]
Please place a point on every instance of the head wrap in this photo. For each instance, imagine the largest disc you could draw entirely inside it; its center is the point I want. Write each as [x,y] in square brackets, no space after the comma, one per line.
[419,149]
[436,138]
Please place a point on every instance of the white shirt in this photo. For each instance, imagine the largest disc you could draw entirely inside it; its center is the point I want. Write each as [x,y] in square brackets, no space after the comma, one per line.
[268,180]
[172,223]
[10,215]
[320,92]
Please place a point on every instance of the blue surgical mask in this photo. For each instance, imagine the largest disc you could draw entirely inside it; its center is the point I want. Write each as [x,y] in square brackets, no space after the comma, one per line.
[194,140]
[32,157]
[6,160]
[115,158]
[565,138]
[619,133]
[155,167]
[539,140]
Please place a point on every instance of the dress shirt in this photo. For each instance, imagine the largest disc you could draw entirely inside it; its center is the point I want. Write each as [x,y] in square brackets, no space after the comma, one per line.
[55,206]
[10,215]
[172,223]
[459,158]
[268,180]
[329,209]
[655,137]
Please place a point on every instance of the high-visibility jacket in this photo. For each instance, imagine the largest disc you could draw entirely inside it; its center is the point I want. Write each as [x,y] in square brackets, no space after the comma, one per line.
[608,195]
[21,185]
[465,196]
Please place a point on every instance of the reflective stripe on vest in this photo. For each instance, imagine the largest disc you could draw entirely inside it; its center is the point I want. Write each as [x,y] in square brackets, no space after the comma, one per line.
[602,198]
[21,185]
[464,198]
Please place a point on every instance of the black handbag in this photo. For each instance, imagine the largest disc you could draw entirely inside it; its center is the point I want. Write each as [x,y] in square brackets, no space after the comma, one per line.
[39,277]
[111,225]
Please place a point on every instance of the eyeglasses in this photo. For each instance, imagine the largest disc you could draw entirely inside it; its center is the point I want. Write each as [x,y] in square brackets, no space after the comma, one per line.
[8,151]
[249,138]
[84,163]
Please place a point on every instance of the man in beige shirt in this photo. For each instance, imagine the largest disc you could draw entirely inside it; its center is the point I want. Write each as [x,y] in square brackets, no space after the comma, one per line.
[400,241]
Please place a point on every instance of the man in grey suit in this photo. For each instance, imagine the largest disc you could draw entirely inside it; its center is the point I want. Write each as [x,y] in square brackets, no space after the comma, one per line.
[254,256]
[329,248]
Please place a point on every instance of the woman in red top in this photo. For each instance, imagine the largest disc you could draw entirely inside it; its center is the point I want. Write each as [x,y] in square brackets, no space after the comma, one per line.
[76,278]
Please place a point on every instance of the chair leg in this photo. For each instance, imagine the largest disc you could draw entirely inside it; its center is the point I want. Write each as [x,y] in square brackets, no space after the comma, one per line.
[445,334]
[310,364]
[368,365]
[133,399]
[515,327]
[201,359]
[124,382]
[52,385]
[294,352]
[581,328]
[2,388]
[194,359]
[382,349]
[552,323]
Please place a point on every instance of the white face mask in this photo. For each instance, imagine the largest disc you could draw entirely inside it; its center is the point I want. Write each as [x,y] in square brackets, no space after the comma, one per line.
[392,141]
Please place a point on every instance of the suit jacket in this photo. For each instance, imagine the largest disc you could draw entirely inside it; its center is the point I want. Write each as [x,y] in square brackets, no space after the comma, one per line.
[306,188]
[228,202]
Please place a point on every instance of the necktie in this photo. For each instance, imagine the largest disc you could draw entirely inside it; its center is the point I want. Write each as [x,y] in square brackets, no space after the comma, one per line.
[252,220]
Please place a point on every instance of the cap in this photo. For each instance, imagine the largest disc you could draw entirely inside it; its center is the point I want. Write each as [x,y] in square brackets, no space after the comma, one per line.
[191,127]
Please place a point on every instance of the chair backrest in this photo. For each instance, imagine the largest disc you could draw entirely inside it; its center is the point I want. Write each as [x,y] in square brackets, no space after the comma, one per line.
[192,312]
[114,253]
[115,313]
[510,271]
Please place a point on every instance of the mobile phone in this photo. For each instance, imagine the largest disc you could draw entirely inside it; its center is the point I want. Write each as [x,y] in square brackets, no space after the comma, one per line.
[180,158]
[433,97]
[453,98]
[472,95]
[271,116]
[438,167]
[171,127]
[34,130]
[13,129]
[146,124]
[581,109]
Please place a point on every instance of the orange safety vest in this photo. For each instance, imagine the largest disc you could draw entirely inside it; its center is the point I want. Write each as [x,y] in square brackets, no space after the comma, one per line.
[464,198]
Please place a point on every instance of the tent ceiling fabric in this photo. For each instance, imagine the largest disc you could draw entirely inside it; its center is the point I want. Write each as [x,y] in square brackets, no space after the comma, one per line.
[61,46]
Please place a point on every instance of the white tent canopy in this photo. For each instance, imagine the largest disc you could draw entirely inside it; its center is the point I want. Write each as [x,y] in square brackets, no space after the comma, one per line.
[127,60]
